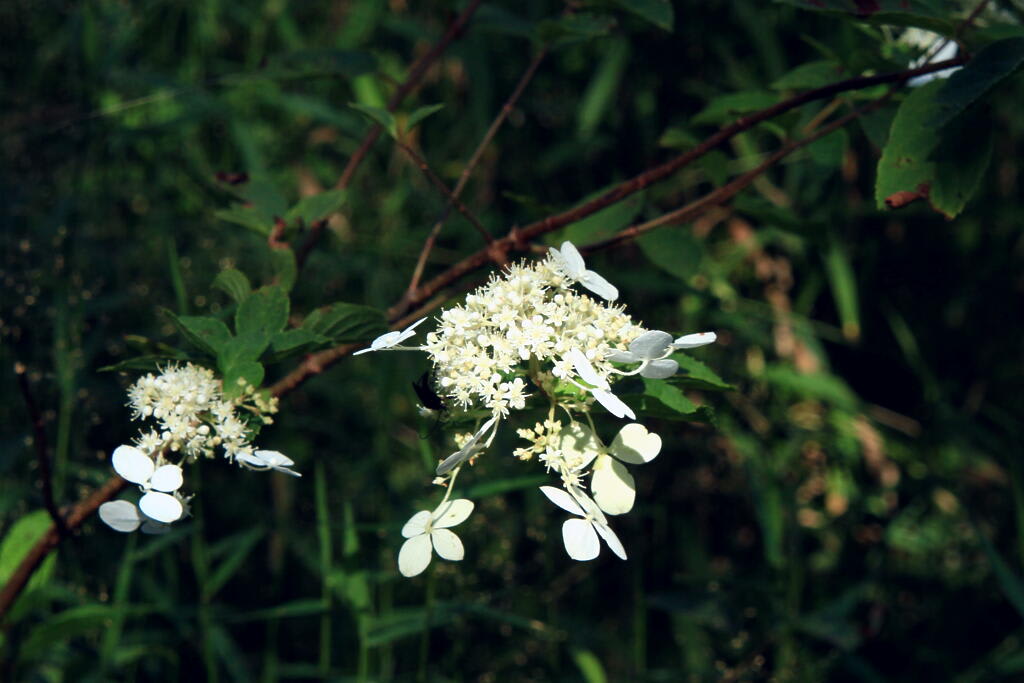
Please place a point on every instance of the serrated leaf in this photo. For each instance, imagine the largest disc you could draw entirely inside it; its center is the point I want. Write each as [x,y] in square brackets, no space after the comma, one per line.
[808,76]
[344,322]
[286,269]
[381,117]
[316,207]
[665,401]
[244,347]
[423,112]
[296,339]
[728,107]
[694,374]
[246,217]
[674,250]
[922,162]
[264,312]
[234,283]
[985,70]
[658,12]
[605,222]
[206,334]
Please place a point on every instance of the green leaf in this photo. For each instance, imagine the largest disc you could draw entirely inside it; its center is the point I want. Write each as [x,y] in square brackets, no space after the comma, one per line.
[208,335]
[343,322]
[18,540]
[236,550]
[728,107]
[985,70]
[246,217]
[694,374]
[148,363]
[381,117]
[819,385]
[244,347]
[423,112]
[316,207]
[320,62]
[920,162]
[674,250]
[658,12]
[299,338]
[605,222]
[262,197]
[665,401]
[844,290]
[286,269]
[574,28]
[250,371]
[828,151]
[934,15]
[72,623]
[808,76]
[676,137]
[589,666]
[599,95]
[234,283]
[264,312]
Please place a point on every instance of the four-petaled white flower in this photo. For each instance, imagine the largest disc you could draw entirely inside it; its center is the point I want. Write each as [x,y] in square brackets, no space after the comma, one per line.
[158,483]
[428,532]
[569,258]
[612,485]
[599,389]
[580,536]
[650,349]
[267,460]
[391,339]
[468,450]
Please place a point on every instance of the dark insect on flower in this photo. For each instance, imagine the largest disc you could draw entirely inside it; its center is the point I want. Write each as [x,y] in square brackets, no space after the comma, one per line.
[428,397]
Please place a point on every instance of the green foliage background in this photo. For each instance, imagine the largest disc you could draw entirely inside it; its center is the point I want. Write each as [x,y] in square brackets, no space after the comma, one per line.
[855,510]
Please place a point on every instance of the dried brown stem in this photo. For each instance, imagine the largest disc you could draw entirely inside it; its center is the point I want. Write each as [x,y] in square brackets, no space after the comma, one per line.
[42,450]
[492,130]
[416,73]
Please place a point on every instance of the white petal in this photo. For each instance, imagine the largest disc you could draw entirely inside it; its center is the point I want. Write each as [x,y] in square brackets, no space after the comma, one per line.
[635,445]
[613,404]
[132,464]
[285,470]
[155,528]
[598,285]
[452,513]
[447,544]
[562,500]
[166,478]
[611,539]
[660,369]
[590,508]
[570,257]
[385,340]
[618,356]
[651,344]
[580,539]
[692,341]
[253,460]
[468,450]
[613,486]
[417,524]
[415,555]
[275,458]
[585,370]
[161,507]
[579,445]
[120,515]
[410,331]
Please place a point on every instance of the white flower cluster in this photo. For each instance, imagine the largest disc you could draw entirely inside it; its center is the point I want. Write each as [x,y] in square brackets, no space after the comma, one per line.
[528,326]
[193,418]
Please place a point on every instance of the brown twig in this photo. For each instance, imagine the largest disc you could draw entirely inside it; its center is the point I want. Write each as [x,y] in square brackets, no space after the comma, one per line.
[416,73]
[428,296]
[445,191]
[51,538]
[519,237]
[474,159]
[42,451]
[722,194]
